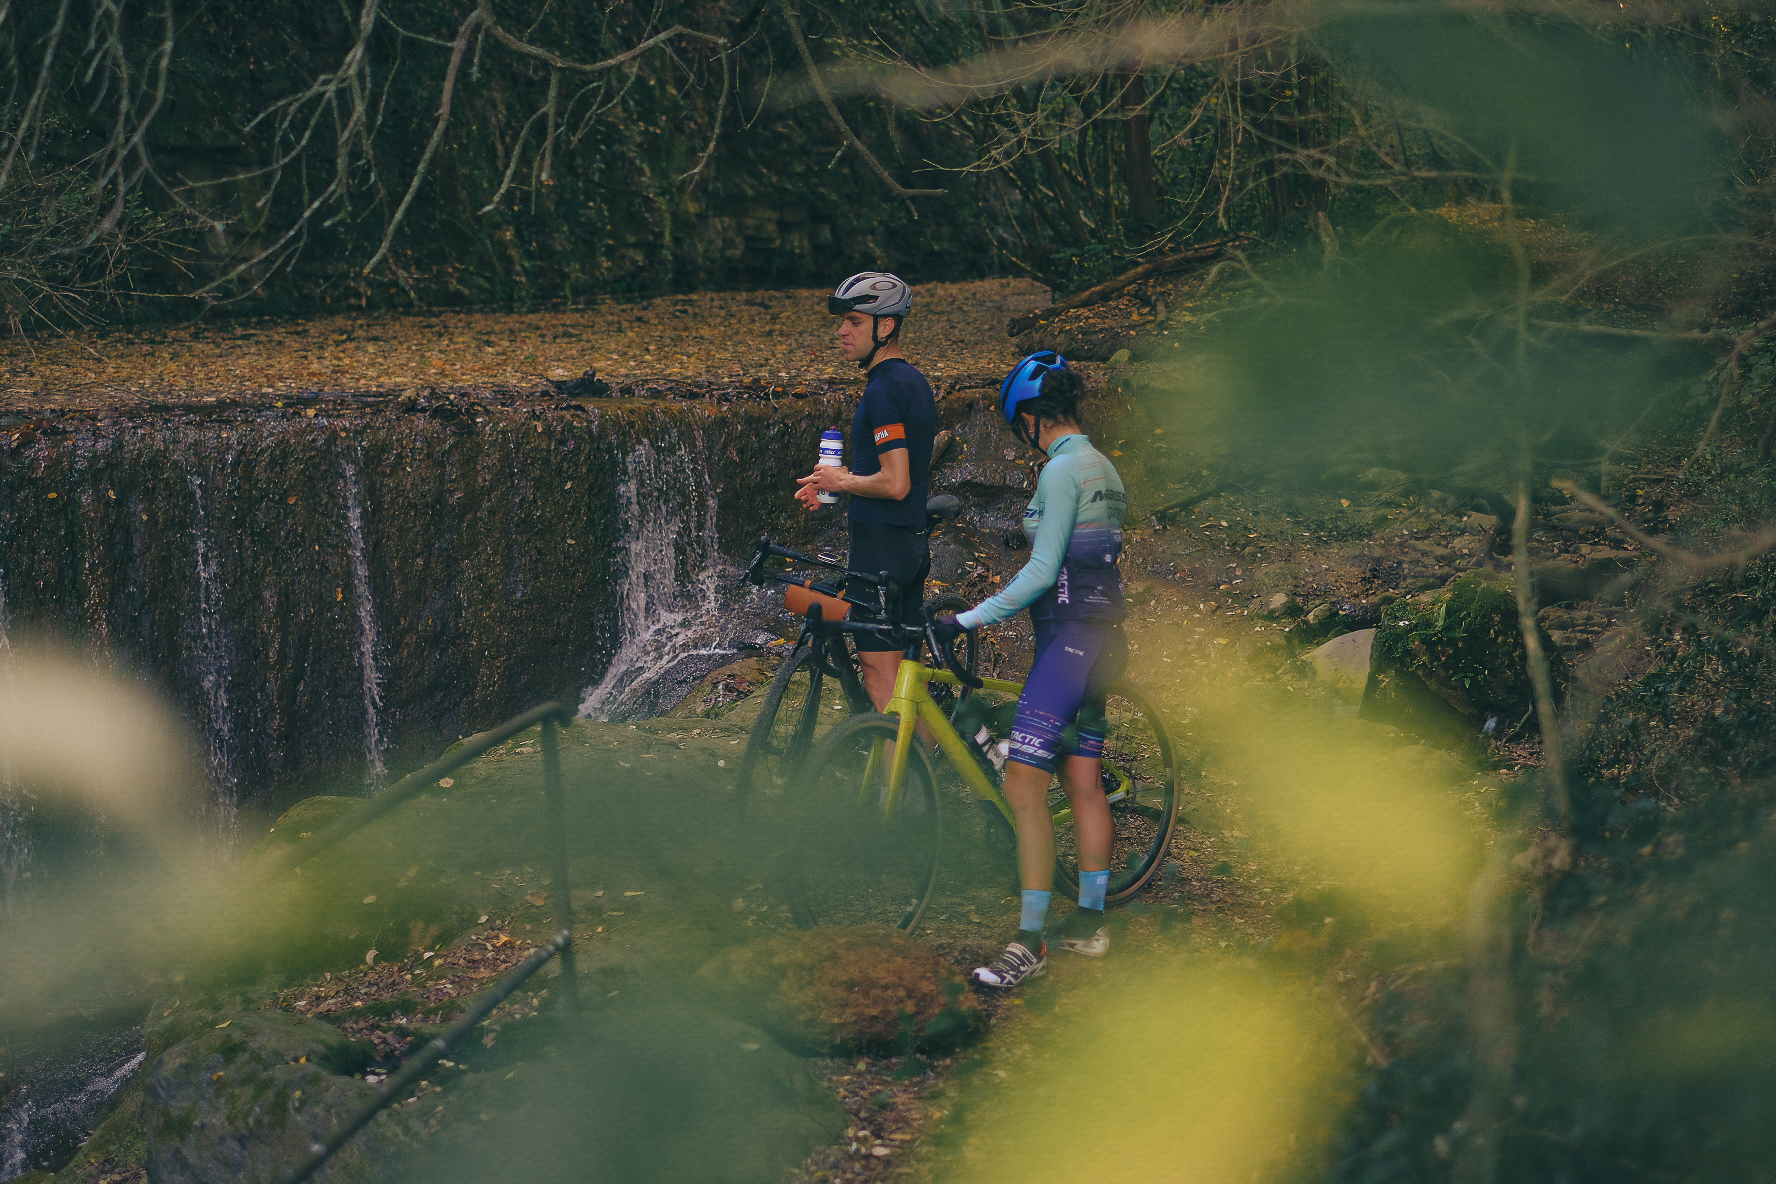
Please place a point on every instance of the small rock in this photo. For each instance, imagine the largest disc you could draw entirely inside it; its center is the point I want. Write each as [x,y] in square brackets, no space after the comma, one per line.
[1320,614]
[1343,662]
[1284,605]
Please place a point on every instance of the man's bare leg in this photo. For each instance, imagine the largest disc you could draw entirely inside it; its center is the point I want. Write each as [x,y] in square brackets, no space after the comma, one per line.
[879,669]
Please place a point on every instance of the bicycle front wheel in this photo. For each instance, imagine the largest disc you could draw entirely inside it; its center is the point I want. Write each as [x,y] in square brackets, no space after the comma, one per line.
[862,855]
[1139,776]
[783,734]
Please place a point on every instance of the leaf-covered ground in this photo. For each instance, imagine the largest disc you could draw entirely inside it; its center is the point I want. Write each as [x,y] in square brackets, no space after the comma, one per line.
[773,336]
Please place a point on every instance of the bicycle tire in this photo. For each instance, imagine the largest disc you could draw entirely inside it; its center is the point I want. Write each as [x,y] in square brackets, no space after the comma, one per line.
[783,733]
[1144,811]
[966,651]
[851,865]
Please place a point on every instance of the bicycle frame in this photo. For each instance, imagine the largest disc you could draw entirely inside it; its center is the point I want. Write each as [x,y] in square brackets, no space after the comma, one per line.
[912,702]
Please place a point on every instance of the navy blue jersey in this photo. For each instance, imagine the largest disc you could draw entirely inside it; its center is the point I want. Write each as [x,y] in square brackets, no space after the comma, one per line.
[897,411]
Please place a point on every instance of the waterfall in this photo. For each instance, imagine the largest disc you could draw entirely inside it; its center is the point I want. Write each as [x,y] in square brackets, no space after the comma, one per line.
[27,1126]
[367,641]
[214,656]
[667,596]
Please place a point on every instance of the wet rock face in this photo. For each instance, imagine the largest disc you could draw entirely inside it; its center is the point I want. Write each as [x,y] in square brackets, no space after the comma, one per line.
[320,588]
[242,1100]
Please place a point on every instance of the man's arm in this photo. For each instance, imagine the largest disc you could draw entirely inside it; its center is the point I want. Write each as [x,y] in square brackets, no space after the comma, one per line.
[894,481]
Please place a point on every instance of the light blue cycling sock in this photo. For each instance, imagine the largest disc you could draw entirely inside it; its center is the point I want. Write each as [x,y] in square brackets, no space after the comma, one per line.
[1035,911]
[1093,887]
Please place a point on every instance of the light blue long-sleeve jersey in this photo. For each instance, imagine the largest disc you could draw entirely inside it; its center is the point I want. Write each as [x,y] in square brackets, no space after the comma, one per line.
[1075,528]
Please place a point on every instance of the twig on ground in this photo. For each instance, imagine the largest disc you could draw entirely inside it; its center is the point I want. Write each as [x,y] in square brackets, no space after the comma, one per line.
[832,109]
[1190,257]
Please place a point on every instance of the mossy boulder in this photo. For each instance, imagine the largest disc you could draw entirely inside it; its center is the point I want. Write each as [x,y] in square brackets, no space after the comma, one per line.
[249,1094]
[845,990]
[1464,643]
[308,817]
[646,1092]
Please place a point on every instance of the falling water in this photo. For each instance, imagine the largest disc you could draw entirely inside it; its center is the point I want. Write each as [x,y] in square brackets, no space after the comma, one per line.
[27,1126]
[215,662]
[658,606]
[367,642]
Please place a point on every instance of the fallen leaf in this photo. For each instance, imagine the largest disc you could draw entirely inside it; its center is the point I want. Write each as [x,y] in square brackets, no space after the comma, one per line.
[371,899]
[224,1023]
[635,893]
[536,898]
[482,920]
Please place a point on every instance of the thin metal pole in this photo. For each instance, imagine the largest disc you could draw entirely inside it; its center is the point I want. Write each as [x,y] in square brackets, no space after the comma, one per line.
[416,1066]
[282,857]
[555,813]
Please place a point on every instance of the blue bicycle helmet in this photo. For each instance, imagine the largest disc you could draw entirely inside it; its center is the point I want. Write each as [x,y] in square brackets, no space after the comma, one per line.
[1025,381]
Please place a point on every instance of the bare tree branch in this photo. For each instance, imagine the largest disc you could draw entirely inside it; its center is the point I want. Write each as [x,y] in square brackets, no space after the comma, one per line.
[1193,256]
[473,21]
[795,31]
[485,13]
[1560,805]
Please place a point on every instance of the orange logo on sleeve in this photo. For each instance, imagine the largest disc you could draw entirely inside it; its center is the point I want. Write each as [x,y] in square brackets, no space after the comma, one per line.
[893,431]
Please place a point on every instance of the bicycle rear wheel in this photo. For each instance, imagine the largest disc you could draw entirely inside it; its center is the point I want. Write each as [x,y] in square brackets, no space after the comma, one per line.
[858,861]
[1140,777]
[966,653]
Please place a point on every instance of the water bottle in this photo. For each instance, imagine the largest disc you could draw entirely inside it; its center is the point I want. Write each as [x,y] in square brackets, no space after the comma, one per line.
[832,452]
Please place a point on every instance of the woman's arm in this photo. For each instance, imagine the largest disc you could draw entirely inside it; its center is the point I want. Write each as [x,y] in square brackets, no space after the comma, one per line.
[1057,492]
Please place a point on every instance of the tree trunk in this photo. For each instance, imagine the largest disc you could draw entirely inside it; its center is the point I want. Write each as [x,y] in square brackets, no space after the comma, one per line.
[1142,178]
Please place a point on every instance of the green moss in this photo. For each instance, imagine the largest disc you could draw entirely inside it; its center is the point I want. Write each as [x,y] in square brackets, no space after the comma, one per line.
[176,1126]
[1464,642]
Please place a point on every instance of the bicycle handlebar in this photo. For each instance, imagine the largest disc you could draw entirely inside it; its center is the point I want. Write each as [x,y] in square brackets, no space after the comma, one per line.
[948,654]
[755,571]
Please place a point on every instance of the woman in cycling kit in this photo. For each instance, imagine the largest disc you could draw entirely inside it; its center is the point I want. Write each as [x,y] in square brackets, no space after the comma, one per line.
[1074,593]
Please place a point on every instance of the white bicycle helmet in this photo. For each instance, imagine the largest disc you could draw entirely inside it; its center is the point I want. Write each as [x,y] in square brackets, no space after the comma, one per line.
[878,293]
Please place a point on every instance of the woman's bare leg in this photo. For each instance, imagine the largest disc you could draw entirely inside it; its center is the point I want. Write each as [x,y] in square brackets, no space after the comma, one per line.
[1091,812]
[1026,789]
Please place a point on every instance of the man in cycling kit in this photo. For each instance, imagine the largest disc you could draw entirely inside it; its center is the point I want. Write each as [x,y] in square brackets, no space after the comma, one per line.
[1074,593]
[891,438]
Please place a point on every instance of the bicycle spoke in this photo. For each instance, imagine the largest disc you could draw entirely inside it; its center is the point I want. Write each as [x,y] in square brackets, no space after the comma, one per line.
[1139,777]
[858,860]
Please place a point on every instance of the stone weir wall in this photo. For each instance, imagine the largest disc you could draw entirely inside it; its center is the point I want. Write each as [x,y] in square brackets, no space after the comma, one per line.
[323,586]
